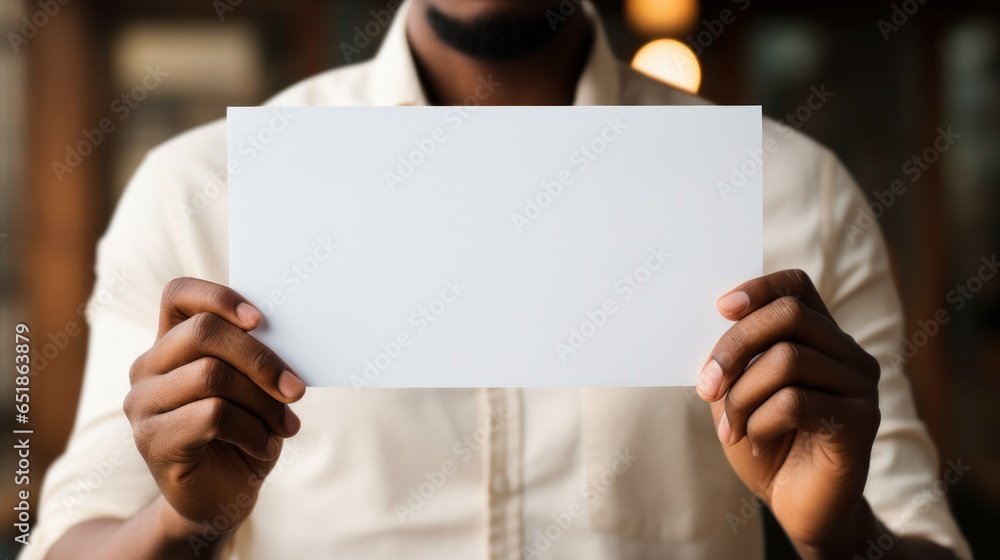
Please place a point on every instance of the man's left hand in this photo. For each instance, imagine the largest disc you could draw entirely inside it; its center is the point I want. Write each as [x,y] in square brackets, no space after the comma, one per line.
[795,400]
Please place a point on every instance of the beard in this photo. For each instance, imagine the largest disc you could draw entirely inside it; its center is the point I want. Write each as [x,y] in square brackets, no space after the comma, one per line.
[493,38]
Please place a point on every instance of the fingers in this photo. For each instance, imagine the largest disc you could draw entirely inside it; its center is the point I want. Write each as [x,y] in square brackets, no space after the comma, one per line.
[754,294]
[795,408]
[784,319]
[186,430]
[787,364]
[207,334]
[184,298]
[206,378]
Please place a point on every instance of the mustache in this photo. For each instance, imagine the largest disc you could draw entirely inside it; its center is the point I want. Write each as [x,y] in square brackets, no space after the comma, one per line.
[495,37]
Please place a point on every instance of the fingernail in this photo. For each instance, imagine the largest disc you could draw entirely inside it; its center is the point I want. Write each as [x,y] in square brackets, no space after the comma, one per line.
[292,421]
[290,385]
[272,449]
[710,380]
[734,303]
[247,313]
[760,450]
[725,430]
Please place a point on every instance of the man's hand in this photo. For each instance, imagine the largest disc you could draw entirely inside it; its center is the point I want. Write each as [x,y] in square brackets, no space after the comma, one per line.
[795,400]
[208,404]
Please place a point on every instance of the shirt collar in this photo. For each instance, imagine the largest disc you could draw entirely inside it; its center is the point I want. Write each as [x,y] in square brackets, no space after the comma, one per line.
[600,81]
[395,80]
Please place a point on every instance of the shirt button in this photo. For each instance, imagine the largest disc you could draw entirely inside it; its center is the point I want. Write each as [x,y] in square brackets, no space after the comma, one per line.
[499,484]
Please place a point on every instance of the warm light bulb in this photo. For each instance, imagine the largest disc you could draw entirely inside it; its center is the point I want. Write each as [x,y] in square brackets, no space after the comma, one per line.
[669,61]
[661,17]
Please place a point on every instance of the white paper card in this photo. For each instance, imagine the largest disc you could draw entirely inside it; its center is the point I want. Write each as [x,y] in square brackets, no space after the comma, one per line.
[496,246]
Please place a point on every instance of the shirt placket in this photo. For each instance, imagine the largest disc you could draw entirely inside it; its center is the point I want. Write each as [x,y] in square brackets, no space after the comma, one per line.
[504,473]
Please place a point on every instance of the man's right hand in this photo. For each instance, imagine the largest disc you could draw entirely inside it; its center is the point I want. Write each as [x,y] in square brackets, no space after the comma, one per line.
[208,404]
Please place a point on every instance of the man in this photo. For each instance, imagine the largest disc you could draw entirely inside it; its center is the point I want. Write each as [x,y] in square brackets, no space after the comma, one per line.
[819,426]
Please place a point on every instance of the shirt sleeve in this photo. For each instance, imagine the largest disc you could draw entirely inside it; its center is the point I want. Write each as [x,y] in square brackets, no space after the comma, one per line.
[101,474]
[904,487]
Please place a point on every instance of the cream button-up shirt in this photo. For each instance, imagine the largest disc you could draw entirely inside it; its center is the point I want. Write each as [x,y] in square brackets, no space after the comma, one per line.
[581,474]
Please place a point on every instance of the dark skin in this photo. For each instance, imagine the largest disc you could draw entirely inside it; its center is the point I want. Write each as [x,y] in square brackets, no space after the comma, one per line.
[797,424]
[208,404]
[547,76]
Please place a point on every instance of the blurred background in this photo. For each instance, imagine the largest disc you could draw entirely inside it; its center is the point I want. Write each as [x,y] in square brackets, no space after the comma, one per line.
[875,80]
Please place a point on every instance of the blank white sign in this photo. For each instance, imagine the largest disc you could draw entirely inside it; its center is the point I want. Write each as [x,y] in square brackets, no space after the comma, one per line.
[493,246]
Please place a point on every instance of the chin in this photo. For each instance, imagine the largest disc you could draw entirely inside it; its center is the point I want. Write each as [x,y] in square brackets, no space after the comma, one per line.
[474,9]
